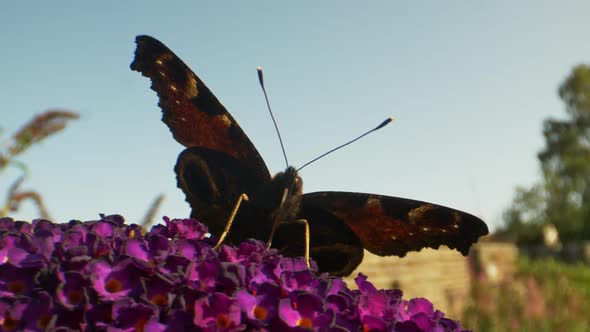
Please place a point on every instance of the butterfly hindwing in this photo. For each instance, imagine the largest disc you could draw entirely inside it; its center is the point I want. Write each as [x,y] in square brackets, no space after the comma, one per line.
[389,225]
[212,182]
[333,245]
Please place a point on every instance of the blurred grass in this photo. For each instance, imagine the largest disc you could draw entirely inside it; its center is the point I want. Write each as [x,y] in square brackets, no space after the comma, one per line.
[544,295]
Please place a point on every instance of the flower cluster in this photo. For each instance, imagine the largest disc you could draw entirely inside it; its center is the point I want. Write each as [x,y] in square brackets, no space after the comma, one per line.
[106,275]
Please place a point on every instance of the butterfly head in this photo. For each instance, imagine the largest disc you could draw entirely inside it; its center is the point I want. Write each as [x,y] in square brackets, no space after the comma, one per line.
[287,190]
[289,181]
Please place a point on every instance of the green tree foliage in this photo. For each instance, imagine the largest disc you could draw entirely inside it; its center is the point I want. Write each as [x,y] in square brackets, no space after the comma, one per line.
[525,218]
[563,196]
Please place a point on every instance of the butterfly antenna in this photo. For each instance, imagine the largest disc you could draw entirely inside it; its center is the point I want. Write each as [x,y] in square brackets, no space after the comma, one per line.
[383,124]
[261,80]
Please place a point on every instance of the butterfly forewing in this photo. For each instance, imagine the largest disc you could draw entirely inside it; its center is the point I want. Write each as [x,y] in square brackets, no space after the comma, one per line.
[193,114]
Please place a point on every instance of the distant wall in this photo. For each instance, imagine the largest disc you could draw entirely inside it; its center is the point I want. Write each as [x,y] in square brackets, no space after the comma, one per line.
[443,276]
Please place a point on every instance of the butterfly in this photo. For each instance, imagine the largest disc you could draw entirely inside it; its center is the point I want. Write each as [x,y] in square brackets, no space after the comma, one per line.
[220,163]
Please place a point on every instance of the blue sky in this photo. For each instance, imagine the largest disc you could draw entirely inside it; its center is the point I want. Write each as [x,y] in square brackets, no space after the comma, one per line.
[469,84]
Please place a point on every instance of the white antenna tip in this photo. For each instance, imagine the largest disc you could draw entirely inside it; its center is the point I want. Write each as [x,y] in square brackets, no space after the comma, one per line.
[260,78]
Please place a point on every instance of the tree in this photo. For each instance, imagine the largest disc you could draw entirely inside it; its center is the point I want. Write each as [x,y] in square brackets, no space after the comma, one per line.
[563,196]
[525,218]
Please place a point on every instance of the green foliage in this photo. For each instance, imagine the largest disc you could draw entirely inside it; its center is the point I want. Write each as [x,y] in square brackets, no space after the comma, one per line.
[575,277]
[563,196]
[545,295]
[525,217]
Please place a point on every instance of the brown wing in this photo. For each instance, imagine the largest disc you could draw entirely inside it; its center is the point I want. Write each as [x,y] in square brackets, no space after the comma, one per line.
[333,245]
[394,226]
[212,182]
[194,115]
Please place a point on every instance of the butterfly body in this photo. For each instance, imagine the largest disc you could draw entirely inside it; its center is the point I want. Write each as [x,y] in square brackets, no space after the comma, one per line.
[221,163]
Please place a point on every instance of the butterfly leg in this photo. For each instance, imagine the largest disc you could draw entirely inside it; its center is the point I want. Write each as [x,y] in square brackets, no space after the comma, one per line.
[230,220]
[307,239]
[304,221]
[276,221]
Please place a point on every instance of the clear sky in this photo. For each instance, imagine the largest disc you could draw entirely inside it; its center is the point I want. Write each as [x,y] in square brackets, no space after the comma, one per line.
[469,84]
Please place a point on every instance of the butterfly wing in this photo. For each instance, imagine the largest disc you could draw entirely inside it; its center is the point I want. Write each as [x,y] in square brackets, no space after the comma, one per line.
[221,163]
[333,245]
[194,115]
[395,226]
[212,182]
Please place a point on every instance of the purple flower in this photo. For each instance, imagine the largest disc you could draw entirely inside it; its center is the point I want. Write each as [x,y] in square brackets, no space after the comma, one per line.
[158,289]
[305,310]
[186,249]
[262,307]
[203,275]
[257,275]
[16,281]
[131,316]
[104,229]
[418,306]
[232,277]
[248,252]
[218,312]
[71,292]
[137,248]
[174,267]
[43,242]
[74,238]
[186,228]
[292,265]
[108,276]
[115,282]
[23,313]
[336,286]
[373,305]
[12,313]
[98,246]
[158,244]
[21,258]
[6,224]
[302,280]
